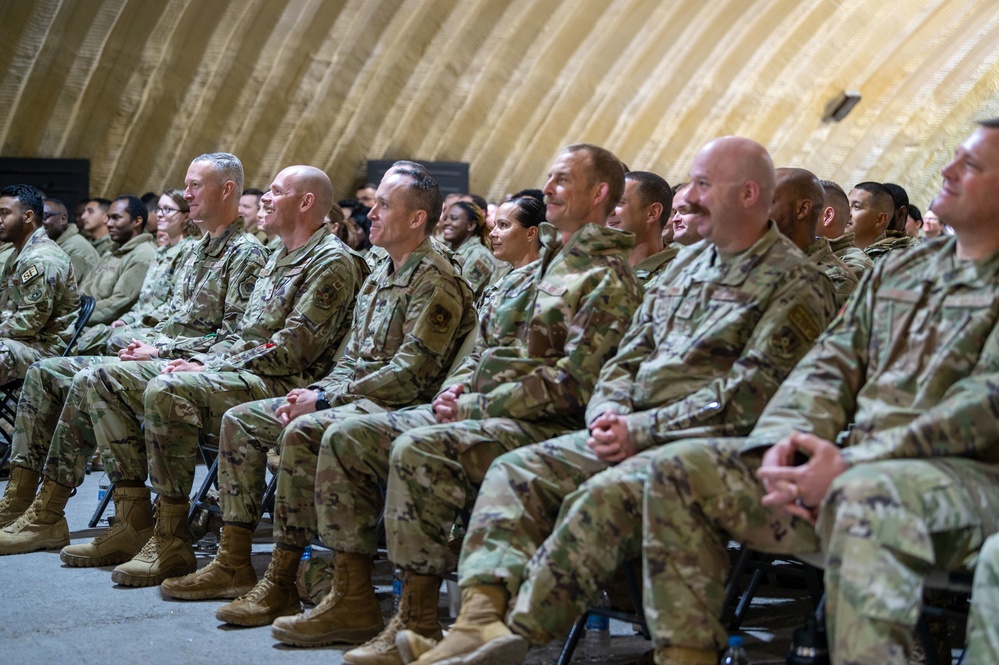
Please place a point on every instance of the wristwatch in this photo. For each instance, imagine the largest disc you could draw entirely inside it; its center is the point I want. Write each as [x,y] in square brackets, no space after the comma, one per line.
[321,402]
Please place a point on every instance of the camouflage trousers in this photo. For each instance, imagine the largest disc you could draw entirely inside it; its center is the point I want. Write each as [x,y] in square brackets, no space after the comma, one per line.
[103,340]
[51,434]
[248,432]
[435,471]
[543,526]
[16,357]
[983,628]
[176,408]
[881,527]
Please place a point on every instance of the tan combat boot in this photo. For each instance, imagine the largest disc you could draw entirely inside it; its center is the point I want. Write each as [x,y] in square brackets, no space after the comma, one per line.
[168,553]
[479,634]
[42,526]
[348,614]
[18,495]
[229,575]
[132,528]
[417,612]
[674,655]
[274,596]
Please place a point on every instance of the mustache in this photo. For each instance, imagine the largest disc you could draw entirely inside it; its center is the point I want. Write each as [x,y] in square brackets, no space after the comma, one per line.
[553,201]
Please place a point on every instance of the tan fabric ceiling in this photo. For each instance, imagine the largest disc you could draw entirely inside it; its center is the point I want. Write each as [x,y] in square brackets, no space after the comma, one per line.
[140,87]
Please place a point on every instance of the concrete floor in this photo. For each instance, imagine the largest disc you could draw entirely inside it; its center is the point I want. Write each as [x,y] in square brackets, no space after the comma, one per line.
[56,614]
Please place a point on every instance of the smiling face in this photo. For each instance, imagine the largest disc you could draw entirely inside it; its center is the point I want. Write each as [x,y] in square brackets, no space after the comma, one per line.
[569,194]
[393,221]
[967,196]
[630,213]
[280,204]
[203,192]
[248,204]
[170,219]
[511,241]
[121,226]
[456,227]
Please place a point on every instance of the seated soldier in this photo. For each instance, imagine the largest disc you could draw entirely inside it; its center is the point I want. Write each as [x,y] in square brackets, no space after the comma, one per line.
[983,630]
[464,231]
[93,224]
[872,212]
[116,280]
[642,211]
[408,322]
[832,225]
[796,207]
[68,237]
[706,351]
[911,363]
[216,283]
[39,302]
[685,232]
[531,383]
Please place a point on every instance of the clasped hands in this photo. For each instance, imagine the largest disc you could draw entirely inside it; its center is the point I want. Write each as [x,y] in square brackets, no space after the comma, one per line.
[798,490]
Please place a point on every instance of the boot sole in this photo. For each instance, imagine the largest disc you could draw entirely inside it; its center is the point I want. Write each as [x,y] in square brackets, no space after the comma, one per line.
[77,561]
[232,593]
[127,579]
[505,650]
[343,636]
[255,621]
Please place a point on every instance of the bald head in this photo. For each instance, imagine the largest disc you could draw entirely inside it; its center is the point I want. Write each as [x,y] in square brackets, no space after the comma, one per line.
[309,179]
[295,204]
[732,186]
[797,204]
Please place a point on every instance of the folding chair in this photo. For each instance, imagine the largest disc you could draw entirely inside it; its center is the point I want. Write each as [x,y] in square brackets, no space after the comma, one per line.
[11,391]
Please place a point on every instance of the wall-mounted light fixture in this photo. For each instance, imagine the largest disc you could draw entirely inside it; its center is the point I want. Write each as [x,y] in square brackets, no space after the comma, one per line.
[840,105]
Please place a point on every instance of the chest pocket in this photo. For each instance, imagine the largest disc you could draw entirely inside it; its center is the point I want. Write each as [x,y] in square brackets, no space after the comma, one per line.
[384,332]
[895,313]
[548,328]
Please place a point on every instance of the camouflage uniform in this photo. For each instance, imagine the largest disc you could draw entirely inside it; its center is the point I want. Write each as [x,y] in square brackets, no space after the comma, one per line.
[703,355]
[846,250]
[156,291]
[6,251]
[838,272]
[38,305]
[887,242]
[477,264]
[81,253]
[104,245]
[983,630]
[407,326]
[530,388]
[210,295]
[116,280]
[294,321]
[912,363]
[651,269]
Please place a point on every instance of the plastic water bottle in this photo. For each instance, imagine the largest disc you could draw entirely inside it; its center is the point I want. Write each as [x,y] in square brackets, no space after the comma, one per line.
[396,590]
[735,654]
[307,553]
[596,643]
[103,487]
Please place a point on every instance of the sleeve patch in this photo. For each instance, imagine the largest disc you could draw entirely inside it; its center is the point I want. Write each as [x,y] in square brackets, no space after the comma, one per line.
[804,322]
[440,319]
[326,296]
[29,274]
[34,296]
[246,288]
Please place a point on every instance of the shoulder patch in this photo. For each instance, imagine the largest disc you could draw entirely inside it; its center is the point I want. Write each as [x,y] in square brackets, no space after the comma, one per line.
[804,322]
[34,296]
[439,319]
[30,274]
[326,296]
[246,288]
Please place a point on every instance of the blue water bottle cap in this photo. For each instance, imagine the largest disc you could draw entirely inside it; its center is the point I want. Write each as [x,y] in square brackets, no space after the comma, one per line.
[735,641]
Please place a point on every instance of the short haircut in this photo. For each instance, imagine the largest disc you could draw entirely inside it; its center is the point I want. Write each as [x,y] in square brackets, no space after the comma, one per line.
[134,207]
[676,188]
[653,188]
[422,193]
[530,212]
[834,191]
[881,198]
[29,197]
[604,167]
[533,193]
[56,202]
[225,166]
[989,123]
[915,214]
[900,198]
[103,203]
[177,196]
[254,191]
[150,197]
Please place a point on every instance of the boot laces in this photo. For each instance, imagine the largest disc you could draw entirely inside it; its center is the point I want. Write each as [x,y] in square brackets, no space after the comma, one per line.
[151,549]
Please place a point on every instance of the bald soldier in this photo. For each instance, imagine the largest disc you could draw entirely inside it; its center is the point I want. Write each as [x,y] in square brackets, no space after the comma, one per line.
[796,207]
[906,375]
[832,225]
[642,211]
[408,322]
[704,354]
[212,292]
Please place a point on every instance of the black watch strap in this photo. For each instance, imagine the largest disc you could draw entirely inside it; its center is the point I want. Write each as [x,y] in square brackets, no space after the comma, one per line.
[321,402]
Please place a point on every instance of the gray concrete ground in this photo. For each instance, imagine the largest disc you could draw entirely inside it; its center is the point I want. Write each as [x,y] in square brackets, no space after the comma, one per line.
[56,614]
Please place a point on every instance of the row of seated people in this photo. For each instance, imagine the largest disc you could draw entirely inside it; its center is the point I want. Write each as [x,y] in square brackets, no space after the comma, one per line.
[574,388]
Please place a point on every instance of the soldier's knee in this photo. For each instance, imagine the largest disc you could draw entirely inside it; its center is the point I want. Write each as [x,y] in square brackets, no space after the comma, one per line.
[861,484]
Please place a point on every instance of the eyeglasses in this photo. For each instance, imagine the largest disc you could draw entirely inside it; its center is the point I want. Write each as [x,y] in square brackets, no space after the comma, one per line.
[167,211]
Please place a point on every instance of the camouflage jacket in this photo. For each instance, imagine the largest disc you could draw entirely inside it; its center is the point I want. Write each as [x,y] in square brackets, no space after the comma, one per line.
[838,272]
[582,297]
[713,343]
[846,250]
[650,270]
[477,264]
[83,255]
[157,287]
[39,301]
[885,243]
[116,280]
[299,312]
[211,291]
[407,327]
[912,363]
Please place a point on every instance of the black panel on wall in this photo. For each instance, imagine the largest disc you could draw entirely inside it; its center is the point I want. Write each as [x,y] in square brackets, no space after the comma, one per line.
[450,176]
[65,179]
